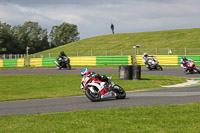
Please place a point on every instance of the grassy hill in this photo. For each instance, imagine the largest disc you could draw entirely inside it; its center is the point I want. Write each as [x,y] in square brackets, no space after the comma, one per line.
[123,43]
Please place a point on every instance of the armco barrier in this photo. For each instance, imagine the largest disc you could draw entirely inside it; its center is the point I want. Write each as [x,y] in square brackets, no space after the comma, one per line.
[48,61]
[162,59]
[85,61]
[36,62]
[98,60]
[1,63]
[195,58]
[12,63]
[82,61]
[113,60]
[20,62]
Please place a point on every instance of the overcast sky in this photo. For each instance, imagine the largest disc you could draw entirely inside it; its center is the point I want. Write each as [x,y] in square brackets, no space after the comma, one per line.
[94,17]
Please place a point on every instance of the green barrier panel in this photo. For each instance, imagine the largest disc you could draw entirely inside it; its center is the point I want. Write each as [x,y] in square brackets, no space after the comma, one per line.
[113,63]
[10,63]
[48,61]
[112,60]
[195,58]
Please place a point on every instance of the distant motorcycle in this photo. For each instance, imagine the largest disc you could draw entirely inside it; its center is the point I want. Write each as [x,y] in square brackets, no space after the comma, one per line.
[153,64]
[191,68]
[65,63]
[96,90]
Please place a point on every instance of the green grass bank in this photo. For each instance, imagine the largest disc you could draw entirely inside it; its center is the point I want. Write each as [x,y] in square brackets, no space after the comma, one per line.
[115,44]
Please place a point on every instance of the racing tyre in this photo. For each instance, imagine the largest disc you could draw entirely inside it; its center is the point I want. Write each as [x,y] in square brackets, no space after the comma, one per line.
[94,97]
[59,68]
[197,70]
[69,67]
[121,94]
[159,68]
[149,68]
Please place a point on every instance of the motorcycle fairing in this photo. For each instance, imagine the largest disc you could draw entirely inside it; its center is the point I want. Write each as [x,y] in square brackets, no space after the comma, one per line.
[108,94]
[104,92]
[99,86]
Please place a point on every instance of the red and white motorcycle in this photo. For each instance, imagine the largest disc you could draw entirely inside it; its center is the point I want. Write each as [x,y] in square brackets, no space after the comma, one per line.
[190,67]
[97,90]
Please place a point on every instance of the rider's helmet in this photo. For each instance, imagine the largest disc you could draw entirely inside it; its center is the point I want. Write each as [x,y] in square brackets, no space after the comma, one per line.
[145,54]
[84,72]
[62,53]
[184,58]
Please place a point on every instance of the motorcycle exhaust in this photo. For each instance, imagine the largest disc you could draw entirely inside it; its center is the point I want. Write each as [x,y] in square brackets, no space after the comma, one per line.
[108,94]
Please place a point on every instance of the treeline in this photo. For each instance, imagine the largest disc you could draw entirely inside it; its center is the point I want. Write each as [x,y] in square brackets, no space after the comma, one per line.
[16,39]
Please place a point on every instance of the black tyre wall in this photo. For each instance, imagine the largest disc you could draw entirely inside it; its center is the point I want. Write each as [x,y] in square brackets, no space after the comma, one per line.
[129,72]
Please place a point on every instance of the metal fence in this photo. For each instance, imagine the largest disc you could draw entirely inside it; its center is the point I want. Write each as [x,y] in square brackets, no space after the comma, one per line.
[140,51]
[12,56]
[170,51]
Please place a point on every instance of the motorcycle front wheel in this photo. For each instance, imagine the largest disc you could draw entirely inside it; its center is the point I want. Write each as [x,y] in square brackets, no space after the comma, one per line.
[94,97]
[69,67]
[149,68]
[121,94]
[197,70]
[159,67]
[59,68]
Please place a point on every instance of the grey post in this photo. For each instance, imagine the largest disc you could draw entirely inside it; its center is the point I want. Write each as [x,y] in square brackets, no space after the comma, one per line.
[135,47]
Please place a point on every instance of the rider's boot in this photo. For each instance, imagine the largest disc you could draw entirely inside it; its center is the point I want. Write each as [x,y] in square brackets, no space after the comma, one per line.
[110,81]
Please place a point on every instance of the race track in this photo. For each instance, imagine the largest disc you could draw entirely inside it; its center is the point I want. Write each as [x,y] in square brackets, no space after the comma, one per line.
[172,71]
[138,98]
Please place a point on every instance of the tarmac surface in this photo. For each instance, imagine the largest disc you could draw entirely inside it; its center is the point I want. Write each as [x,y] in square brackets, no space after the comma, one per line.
[171,71]
[161,96]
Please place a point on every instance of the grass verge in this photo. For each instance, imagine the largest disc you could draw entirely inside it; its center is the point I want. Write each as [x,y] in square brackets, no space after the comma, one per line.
[182,118]
[100,66]
[30,67]
[20,87]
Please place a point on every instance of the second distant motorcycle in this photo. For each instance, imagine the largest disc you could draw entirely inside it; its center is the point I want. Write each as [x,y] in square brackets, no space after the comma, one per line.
[63,63]
[153,64]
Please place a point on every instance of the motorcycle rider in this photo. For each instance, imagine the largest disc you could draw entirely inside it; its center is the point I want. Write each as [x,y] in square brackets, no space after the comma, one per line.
[85,72]
[184,61]
[61,56]
[146,59]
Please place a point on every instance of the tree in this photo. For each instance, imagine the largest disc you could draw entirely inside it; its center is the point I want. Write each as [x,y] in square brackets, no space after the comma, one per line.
[31,35]
[63,34]
[5,37]
[16,39]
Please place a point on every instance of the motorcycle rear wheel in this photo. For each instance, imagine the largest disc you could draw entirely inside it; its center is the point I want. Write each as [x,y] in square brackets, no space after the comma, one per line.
[93,97]
[121,94]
